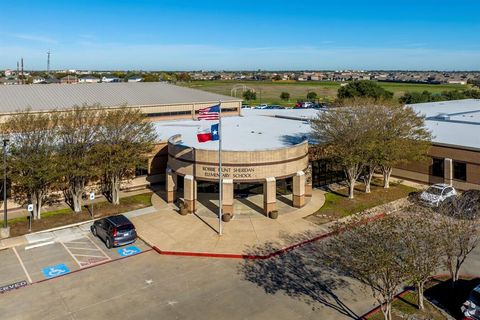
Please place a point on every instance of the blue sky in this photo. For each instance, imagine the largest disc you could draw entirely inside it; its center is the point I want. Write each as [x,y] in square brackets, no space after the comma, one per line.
[248,34]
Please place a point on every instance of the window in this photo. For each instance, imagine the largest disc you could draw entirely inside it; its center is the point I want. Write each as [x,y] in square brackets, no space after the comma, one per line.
[437,167]
[459,170]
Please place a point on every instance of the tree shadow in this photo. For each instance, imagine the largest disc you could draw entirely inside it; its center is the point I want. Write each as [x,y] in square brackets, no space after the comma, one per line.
[251,205]
[451,299]
[298,273]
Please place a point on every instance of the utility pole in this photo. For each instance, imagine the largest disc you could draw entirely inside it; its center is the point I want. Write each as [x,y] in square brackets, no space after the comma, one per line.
[48,63]
[21,67]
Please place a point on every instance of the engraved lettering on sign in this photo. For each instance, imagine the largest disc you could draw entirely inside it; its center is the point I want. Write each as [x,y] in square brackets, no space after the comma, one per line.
[228,172]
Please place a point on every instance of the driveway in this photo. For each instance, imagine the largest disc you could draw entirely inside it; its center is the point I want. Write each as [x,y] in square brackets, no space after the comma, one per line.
[152,286]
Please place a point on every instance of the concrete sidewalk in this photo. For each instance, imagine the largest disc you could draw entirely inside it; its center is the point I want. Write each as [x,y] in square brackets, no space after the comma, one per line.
[169,231]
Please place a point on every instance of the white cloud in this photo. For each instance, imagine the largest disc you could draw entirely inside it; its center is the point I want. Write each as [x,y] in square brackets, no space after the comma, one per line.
[30,37]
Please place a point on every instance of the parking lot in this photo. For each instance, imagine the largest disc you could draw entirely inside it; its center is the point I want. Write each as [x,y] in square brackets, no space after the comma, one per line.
[58,253]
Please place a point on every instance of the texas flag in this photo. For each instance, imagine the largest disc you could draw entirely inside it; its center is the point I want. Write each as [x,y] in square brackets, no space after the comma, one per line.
[209,135]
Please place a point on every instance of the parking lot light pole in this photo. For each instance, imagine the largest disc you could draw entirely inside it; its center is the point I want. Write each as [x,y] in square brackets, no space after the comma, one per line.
[5,219]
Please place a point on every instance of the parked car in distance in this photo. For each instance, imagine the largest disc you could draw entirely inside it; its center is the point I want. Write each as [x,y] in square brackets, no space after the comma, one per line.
[114,231]
[274,106]
[436,194]
[262,106]
[471,307]
[246,106]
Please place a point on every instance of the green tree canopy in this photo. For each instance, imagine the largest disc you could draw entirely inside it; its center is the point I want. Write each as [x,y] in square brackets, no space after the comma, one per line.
[32,157]
[285,96]
[363,88]
[250,95]
[311,96]
[125,140]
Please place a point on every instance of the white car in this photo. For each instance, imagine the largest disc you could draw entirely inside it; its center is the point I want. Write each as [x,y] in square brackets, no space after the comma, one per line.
[471,307]
[262,106]
[436,194]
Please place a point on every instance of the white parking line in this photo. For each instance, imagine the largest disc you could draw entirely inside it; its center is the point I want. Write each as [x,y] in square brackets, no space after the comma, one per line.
[75,248]
[88,255]
[39,245]
[106,255]
[23,266]
[71,254]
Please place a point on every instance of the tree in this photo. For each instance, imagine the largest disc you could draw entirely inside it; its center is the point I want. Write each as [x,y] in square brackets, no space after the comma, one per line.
[460,232]
[369,253]
[250,95]
[77,135]
[345,134]
[416,97]
[312,96]
[125,140]
[421,248]
[285,96]
[402,137]
[32,154]
[363,88]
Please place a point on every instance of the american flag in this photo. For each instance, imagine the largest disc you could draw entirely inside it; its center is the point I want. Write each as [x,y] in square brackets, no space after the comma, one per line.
[210,113]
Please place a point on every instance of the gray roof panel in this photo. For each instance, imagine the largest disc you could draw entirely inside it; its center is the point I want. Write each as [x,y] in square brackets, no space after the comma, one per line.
[43,97]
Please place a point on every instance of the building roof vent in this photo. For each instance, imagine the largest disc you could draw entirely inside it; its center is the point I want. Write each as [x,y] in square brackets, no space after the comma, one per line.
[442,116]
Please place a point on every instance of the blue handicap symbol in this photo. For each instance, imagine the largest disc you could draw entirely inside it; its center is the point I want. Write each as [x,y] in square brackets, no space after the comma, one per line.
[55,271]
[128,251]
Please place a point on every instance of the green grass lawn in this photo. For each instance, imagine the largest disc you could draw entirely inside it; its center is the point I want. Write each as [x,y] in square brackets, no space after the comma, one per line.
[65,216]
[338,205]
[405,307]
[269,91]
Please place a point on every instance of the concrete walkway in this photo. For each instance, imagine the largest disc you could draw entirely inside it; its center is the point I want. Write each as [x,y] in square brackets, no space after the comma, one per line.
[169,231]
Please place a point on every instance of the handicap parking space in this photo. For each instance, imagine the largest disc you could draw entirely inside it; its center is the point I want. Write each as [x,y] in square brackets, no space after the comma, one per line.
[11,271]
[120,252]
[39,260]
[85,251]
[63,252]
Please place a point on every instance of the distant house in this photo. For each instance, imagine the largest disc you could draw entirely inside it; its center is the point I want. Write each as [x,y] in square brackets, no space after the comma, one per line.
[110,79]
[135,79]
[457,82]
[8,81]
[69,79]
[38,80]
[88,79]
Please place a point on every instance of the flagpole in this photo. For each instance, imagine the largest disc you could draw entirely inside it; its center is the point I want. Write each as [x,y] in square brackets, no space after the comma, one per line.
[220,174]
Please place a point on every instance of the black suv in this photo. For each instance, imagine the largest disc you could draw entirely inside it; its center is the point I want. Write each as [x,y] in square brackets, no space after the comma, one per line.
[114,231]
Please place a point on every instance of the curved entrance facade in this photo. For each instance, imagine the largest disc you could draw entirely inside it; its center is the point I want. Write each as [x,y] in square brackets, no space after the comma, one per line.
[238,167]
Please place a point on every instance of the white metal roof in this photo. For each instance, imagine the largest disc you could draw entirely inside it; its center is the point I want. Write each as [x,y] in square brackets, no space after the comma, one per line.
[254,132]
[455,122]
[41,97]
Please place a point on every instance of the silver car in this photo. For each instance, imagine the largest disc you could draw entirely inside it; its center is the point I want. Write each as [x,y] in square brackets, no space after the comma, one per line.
[436,194]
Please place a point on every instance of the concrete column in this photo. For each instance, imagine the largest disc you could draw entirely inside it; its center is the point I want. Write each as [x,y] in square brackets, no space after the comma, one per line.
[308,180]
[227,197]
[299,189]
[171,185]
[190,193]
[448,168]
[269,195]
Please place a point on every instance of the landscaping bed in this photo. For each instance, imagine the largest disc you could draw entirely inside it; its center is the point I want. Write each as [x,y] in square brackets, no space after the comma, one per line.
[405,307]
[66,216]
[338,205]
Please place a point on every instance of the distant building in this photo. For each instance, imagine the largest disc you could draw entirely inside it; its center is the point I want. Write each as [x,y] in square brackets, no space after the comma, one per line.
[135,79]
[88,80]
[457,82]
[38,80]
[110,79]
[69,79]
[9,73]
